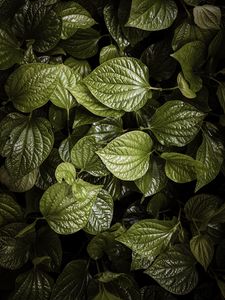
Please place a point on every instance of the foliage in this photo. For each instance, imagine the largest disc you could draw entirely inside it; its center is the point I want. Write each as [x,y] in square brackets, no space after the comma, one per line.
[112,149]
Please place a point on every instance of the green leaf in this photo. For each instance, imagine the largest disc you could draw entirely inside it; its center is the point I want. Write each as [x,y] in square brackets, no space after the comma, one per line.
[175,270]
[10,52]
[84,157]
[61,95]
[201,208]
[86,99]
[83,44]
[181,168]
[154,180]
[14,252]
[25,142]
[18,185]
[101,214]
[74,16]
[113,26]
[149,237]
[66,208]
[221,95]
[191,57]
[176,123]
[84,117]
[33,284]
[38,23]
[120,83]
[211,154]
[49,244]
[207,16]
[105,295]
[106,129]
[72,282]
[107,53]
[202,249]
[27,94]
[127,156]
[10,211]
[65,171]
[152,15]
[140,261]
[184,87]
[81,67]
[57,117]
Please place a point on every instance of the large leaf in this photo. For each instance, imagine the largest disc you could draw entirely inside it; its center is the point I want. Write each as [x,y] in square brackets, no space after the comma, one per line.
[10,211]
[149,237]
[67,210]
[176,123]
[181,168]
[175,270]
[83,44]
[37,22]
[14,252]
[207,16]
[154,180]
[120,83]
[86,99]
[191,57]
[10,52]
[127,156]
[74,16]
[31,85]
[113,26]
[33,284]
[61,95]
[101,214]
[25,142]
[211,154]
[203,249]
[152,15]
[84,157]
[72,282]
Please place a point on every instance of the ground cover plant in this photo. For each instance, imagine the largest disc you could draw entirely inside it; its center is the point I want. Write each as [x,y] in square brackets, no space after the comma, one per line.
[112,148]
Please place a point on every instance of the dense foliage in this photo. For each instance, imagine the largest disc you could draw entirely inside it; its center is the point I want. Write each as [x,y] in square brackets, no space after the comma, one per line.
[112,147]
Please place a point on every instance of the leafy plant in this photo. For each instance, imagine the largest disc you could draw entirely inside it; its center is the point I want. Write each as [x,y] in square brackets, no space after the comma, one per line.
[112,149]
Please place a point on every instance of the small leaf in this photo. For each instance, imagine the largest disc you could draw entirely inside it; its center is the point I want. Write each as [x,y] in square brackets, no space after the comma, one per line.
[10,52]
[84,157]
[86,99]
[184,87]
[101,214]
[65,171]
[34,284]
[72,282]
[10,211]
[176,123]
[120,83]
[127,156]
[81,67]
[74,16]
[105,295]
[83,44]
[191,57]
[181,168]
[152,15]
[27,94]
[149,238]
[207,16]
[25,142]
[154,180]
[202,249]
[175,270]
[67,209]
[107,53]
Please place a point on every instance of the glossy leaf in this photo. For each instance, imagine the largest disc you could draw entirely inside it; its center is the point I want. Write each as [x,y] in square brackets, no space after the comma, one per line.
[127,156]
[175,270]
[149,237]
[107,53]
[181,168]
[176,123]
[81,67]
[120,83]
[207,16]
[152,15]
[65,171]
[10,211]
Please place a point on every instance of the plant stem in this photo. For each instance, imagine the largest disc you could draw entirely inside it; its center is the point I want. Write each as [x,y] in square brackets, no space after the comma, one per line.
[164,89]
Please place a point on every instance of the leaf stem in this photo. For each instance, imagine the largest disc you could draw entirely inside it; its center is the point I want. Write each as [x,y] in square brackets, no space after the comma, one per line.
[164,89]
[68,120]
